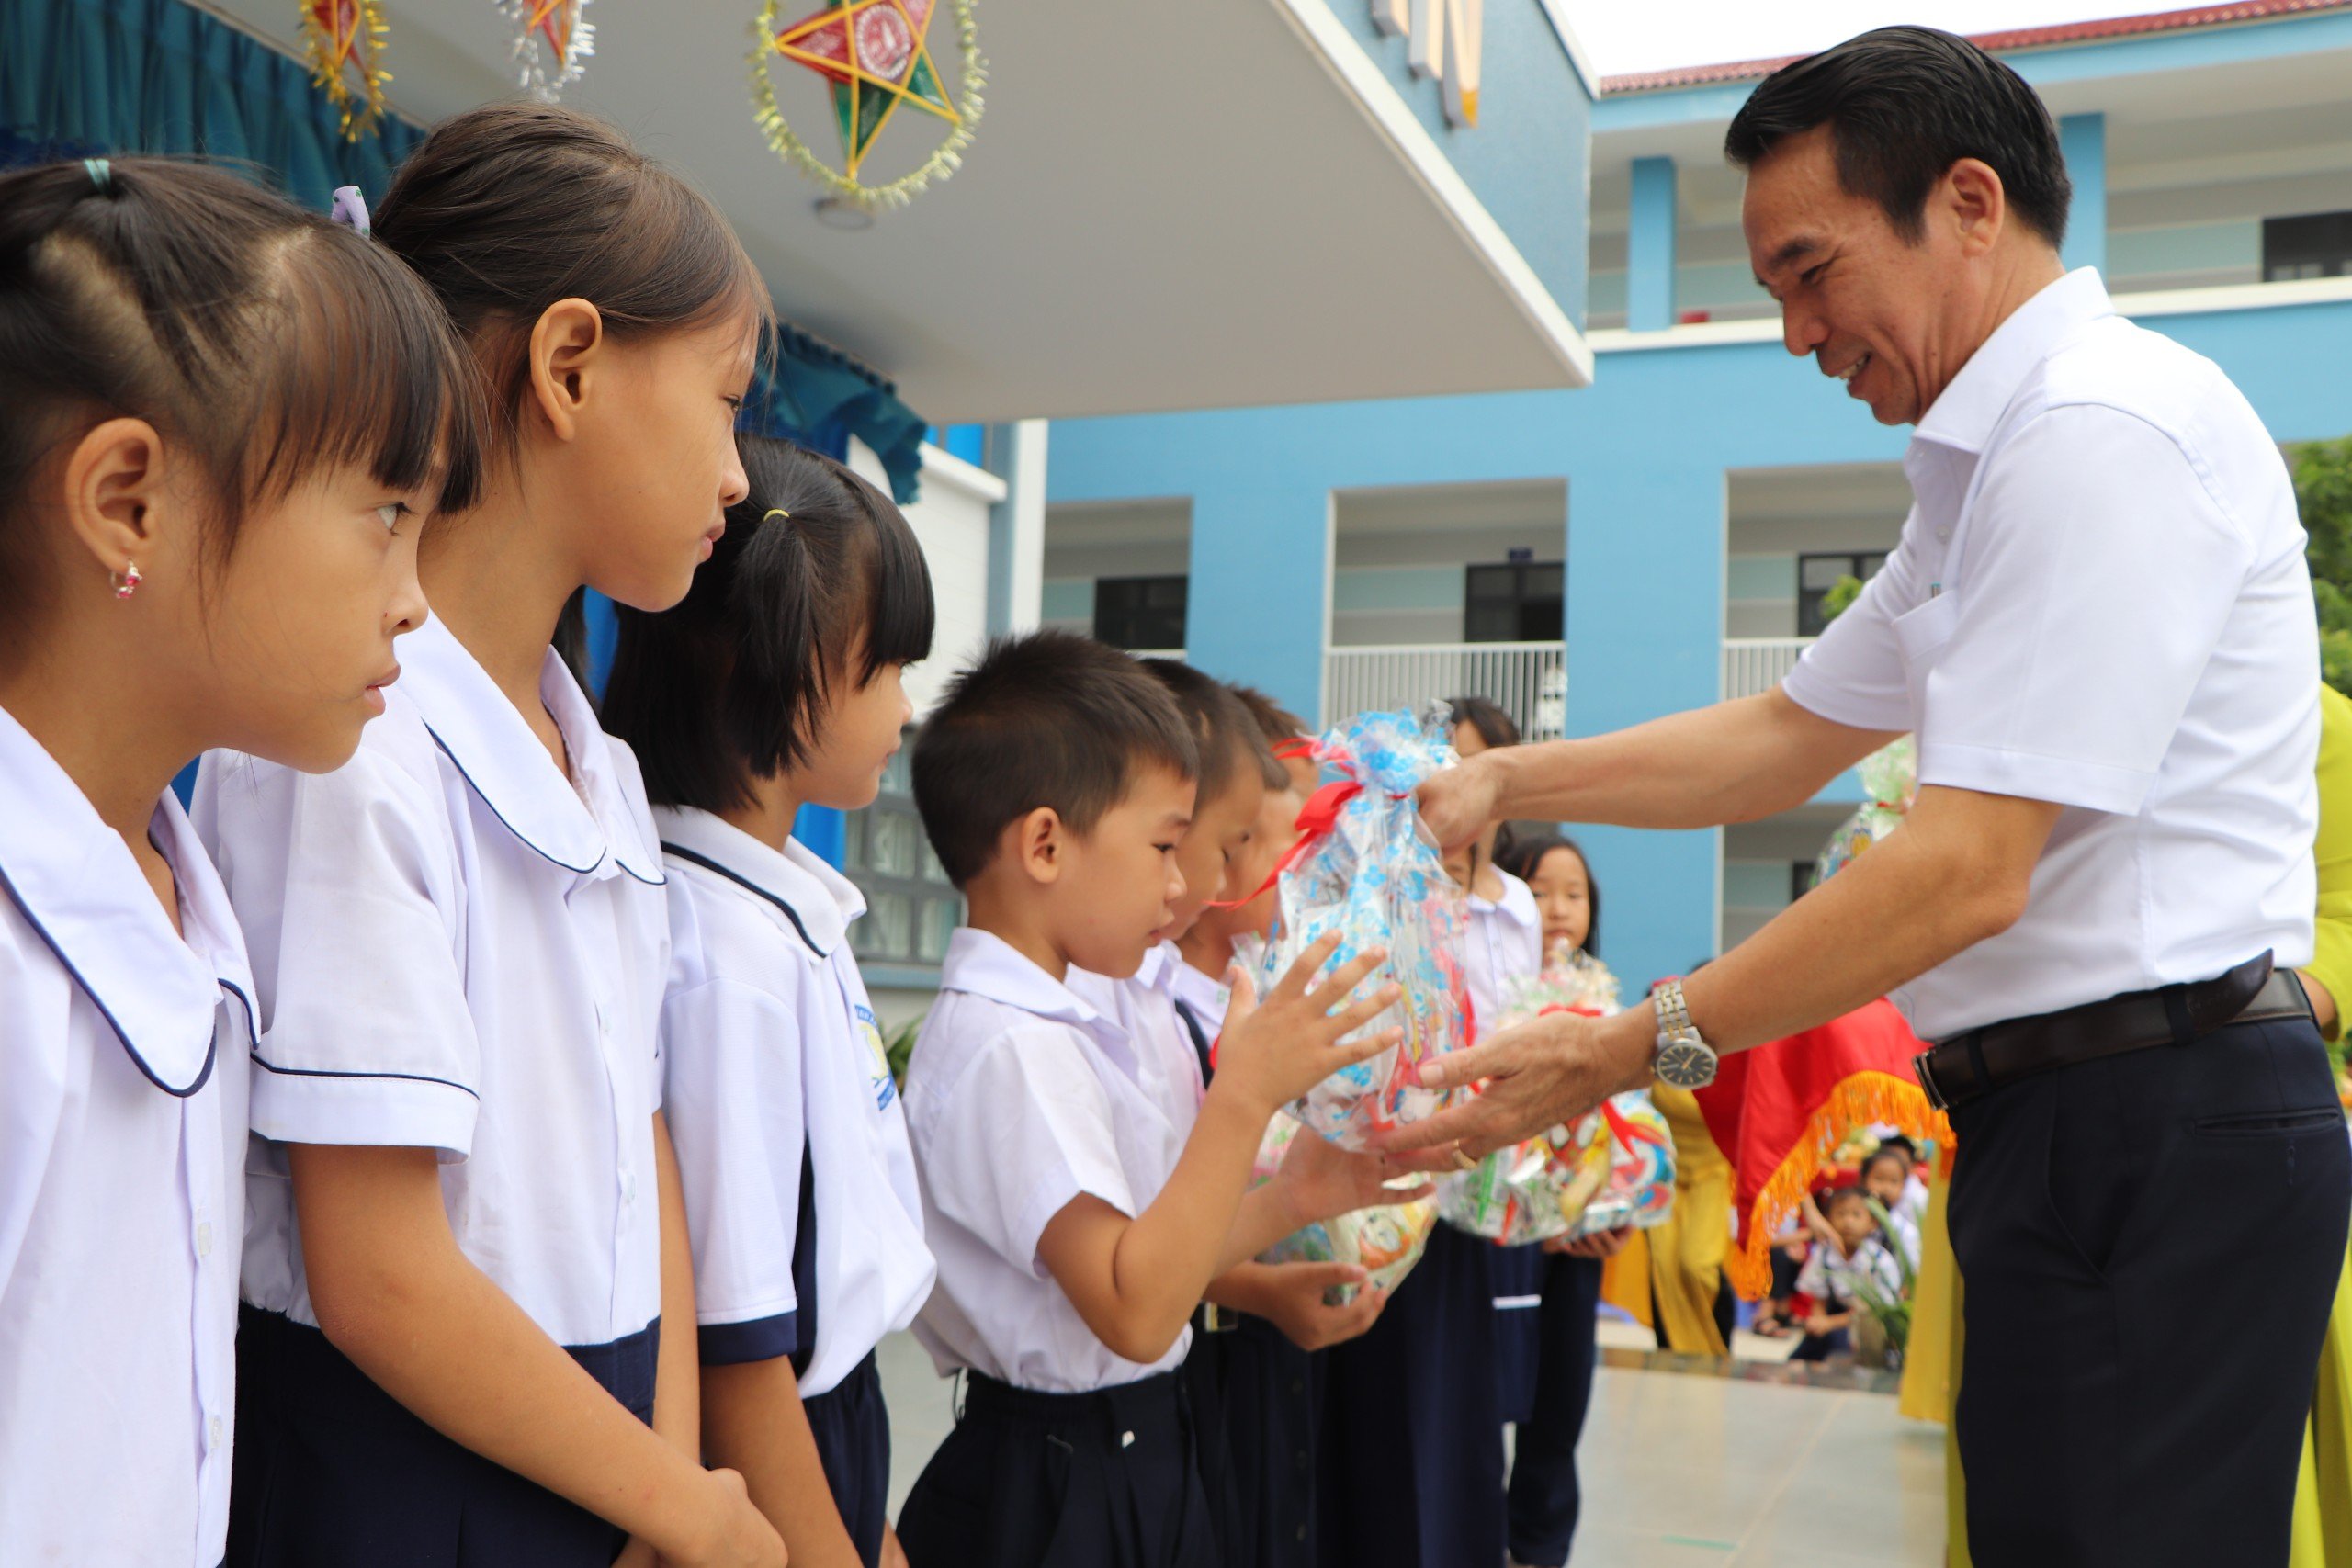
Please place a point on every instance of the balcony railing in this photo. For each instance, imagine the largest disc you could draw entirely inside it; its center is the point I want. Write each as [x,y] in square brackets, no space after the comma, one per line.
[1753,664]
[1528,680]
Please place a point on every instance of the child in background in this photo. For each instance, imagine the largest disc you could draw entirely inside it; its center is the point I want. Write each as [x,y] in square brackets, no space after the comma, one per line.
[1545,1497]
[1288,734]
[1853,1255]
[207,537]
[777,684]
[1243,1363]
[1886,1178]
[1076,1226]
[467,1240]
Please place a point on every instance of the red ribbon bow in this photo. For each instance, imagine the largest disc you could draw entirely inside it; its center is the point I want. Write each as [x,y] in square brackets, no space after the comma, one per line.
[1315,820]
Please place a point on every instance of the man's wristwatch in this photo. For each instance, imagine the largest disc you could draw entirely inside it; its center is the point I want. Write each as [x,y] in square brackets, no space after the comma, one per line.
[1682,1060]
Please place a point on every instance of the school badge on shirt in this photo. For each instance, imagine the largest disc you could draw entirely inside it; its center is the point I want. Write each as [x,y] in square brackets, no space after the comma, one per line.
[885,1087]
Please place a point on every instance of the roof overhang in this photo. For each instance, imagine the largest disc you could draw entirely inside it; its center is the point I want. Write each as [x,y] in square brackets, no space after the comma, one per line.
[1220,203]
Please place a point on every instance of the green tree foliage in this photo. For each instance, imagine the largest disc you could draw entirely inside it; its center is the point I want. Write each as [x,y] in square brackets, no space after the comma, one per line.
[2323,472]
[1840,597]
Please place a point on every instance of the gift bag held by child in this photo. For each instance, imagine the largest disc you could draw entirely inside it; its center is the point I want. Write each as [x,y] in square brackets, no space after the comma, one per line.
[1387,1241]
[1891,778]
[1367,870]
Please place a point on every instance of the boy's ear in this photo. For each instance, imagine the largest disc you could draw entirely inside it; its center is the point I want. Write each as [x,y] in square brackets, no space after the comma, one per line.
[1040,845]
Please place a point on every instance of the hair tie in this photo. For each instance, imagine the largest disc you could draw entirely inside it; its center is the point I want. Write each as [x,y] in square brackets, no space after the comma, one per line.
[777,512]
[350,209]
[101,175]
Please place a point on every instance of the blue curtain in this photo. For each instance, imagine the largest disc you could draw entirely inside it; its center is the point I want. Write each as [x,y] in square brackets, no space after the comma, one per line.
[817,395]
[80,77]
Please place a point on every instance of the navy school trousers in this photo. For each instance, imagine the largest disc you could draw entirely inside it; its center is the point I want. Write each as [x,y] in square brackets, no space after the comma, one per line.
[852,1427]
[1255,1399]
[1106,1478]
[1410,1455]
[1544,1369]
[333,1472]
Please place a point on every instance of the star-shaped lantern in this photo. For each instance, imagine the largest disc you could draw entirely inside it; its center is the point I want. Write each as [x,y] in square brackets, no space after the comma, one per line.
[875,54]
[343,43]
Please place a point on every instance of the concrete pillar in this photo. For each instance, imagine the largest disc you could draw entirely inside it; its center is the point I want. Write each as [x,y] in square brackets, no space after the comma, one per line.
[2083,138]
[1649,247]
[1017,528]
[1259,607]
[1645,630]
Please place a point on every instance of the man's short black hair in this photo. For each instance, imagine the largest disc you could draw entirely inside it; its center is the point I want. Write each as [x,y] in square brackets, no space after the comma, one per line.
[1903,105]
[816,586]
[1046,719]
[1223,732]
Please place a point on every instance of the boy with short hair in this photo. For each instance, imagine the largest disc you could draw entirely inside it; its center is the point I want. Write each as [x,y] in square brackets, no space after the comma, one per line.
[1839,1269]
[1076,1224]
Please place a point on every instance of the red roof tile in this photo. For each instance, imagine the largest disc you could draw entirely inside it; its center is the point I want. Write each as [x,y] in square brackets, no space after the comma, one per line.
[2014,38]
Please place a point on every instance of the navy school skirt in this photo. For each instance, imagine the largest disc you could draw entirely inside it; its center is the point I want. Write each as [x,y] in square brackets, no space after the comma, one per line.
[1105,1479]
[1256,1399]
[333,1472]
[853,1432]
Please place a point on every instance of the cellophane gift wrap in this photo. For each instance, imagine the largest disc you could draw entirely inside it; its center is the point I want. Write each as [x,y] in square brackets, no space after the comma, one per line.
[1536,1190]
[1387,1241]
[1369,871]
[1891,778]
[1629,1139]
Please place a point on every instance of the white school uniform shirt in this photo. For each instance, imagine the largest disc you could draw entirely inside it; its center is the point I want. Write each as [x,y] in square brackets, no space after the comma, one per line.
[1205,995]
[1502,948]
[770,1047]
[458,948]
[2099,600]
[1019,1097]
[1830,1277]
[123,1140]
[1145,1006]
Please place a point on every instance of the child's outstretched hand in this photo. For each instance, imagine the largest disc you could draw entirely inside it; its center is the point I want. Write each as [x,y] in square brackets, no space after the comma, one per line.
[1295,1304]
[1320,1179]
[1272,1052]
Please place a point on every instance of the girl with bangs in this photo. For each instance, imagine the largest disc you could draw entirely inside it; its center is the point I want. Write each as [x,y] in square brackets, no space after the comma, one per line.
[777,685]
[467,1252]
[168,583]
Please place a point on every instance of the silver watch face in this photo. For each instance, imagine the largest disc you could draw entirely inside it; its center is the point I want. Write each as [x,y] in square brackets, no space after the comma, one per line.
[1685,1065]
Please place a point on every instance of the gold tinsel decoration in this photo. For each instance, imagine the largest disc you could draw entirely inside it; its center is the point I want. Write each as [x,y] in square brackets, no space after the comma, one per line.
[342,42]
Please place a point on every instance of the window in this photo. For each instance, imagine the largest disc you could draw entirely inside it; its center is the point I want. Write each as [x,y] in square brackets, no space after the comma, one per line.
[1140,611]
[911,910]
[1804,875]
[1516,602]
[2317,244]
[1816,575]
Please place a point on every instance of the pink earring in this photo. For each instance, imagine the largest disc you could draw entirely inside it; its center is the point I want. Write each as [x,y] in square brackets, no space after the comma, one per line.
[128,583]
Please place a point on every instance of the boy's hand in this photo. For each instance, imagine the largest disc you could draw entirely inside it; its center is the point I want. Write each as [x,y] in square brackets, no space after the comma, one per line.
[1272,1052]
[734,1534]
[893,1554]
[1320,1179]
[1294,1302]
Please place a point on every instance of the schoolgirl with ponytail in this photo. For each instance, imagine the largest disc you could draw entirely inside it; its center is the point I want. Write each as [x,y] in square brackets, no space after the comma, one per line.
[467,1306]
[225,422]
[773,686]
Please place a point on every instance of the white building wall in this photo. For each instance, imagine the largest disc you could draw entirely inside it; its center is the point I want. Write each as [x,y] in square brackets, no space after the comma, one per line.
[950,517]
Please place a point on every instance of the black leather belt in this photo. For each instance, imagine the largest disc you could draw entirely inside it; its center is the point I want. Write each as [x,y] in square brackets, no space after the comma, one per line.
[1969,1066]
[1211,1318]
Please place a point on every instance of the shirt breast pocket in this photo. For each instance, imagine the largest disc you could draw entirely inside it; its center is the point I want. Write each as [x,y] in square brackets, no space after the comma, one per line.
[1922,631]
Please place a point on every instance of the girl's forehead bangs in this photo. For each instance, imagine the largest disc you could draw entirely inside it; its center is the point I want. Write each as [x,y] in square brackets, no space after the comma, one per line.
[359,368]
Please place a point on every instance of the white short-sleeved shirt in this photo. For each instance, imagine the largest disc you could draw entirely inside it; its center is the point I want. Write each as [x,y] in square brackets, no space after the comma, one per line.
[772,1054]
[1831,1277]
[1019,1097]
[124,1050]
[1205,995]
[1502,948]
[1145,1006]
[457,948]
[2099,601]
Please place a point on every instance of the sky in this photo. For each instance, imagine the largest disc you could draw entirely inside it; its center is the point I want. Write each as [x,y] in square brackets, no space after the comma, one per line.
[1651,35]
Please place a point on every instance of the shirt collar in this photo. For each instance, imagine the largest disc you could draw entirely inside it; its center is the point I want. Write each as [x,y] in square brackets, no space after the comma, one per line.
[77,884]
[984,965]
[819,901]
[585,830]
[1964,415]
[1517,904]
[1158,972]
[1204,994]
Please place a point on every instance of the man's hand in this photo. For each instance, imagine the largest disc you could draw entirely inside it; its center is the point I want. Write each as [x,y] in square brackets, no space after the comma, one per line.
[1292,1301]
[1600,1246]
[1458,802]
[1539,1075]
[1320,1179]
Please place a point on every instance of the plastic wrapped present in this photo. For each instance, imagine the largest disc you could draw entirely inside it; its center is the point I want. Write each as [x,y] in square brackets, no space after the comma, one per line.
[1385,1241]
[1366,868]
[1891,778]
[1637,1149]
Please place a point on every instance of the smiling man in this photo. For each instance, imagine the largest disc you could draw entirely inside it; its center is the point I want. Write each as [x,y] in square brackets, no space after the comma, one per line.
[2099,625]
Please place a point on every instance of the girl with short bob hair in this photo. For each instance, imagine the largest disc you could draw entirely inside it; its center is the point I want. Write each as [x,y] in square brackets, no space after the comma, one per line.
[467,1252]
[773,686]
[209,523]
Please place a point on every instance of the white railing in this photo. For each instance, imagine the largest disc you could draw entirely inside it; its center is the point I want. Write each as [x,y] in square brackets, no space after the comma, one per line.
[1753,664]
[1529,680]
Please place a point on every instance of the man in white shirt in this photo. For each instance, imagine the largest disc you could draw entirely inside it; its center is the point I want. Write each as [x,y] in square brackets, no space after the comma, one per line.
[2099,624]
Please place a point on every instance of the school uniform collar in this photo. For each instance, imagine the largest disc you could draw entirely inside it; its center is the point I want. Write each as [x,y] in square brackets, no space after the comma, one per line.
[1203,994]
[587,830]
[819,901]
[77,884]
[983,965]
[1965,415]
[1158,971]
[1517,904]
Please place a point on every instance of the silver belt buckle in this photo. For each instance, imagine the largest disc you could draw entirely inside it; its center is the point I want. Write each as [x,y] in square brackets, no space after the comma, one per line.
[1924,1071]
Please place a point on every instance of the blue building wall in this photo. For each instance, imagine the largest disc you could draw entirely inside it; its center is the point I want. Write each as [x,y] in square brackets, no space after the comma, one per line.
[1644,453]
